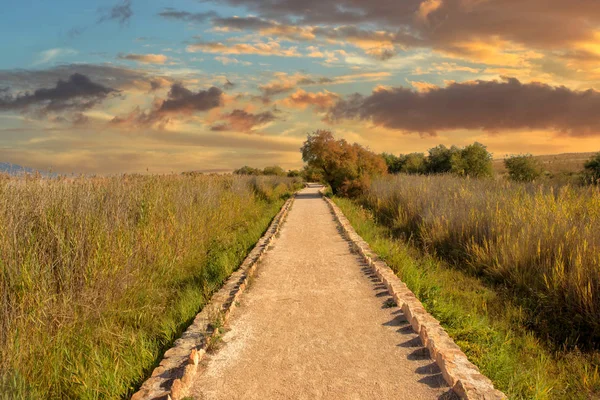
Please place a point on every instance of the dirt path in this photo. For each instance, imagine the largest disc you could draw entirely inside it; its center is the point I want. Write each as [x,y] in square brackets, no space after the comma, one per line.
[315,324]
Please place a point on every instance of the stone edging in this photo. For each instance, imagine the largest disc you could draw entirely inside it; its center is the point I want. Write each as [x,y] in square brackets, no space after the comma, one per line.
[462,376]
[172,378]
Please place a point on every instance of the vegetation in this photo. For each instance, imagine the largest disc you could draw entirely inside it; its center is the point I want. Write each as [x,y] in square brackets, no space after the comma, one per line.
[273,170]
[473,160]
[523,168]
[592,169]
[484,321]
[541,244]
[99,275]
[346,168]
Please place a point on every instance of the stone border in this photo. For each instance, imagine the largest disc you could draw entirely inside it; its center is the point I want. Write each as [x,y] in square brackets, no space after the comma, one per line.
[462,376]
[172,378]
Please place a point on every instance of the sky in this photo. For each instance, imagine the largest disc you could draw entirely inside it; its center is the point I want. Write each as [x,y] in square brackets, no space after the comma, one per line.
[109,87]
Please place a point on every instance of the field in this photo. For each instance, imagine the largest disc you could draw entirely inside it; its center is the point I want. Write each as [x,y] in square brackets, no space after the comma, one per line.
[511,269]
[557,165]
[99,275]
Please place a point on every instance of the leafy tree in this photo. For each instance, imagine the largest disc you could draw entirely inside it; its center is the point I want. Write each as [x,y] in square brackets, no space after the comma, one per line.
[347,168]
[592,168]
[474,161]
[523,168]
[394,163]
[414,163]
[440,158]
[294,173]
[246,170]
[274,170]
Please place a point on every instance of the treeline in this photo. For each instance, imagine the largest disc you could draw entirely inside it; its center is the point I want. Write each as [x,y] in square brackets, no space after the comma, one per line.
[473,160]
[274,170]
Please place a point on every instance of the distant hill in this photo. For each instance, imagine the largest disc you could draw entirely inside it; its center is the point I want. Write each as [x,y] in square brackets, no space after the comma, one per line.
[555,163]
[14,169]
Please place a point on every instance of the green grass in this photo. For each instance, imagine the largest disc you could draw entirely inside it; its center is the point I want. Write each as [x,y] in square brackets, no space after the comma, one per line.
[98,276]
[483,321]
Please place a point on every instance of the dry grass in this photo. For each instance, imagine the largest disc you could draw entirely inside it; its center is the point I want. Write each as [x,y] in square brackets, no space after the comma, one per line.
[539,244]
[99,275]
[556,165]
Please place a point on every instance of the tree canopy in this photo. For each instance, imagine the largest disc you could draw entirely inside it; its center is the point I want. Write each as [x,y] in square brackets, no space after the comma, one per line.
[346,167]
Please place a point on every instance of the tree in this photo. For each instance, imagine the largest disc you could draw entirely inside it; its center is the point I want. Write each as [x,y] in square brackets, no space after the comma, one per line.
[592,169]
[439,160]
[274,170]
[294,173]
[414,163]
[347,168]
[473,161]
[523,168]
[394,163]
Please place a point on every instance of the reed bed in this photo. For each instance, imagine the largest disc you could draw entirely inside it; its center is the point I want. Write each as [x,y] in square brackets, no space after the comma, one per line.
[99,275]
[538,244]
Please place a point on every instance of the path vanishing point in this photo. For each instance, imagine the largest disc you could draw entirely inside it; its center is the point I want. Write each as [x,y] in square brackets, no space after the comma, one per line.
[316,324]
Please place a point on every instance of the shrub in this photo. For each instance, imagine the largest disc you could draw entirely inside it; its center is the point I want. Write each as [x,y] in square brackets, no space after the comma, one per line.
[592,169]
[275,170]
[523,168]
[246,170]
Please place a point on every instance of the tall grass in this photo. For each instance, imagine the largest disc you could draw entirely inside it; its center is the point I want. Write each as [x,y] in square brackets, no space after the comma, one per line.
[539,244]
[487,326]
[99,275]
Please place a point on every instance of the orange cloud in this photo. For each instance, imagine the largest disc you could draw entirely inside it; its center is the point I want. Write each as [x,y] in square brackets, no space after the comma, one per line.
[145,58]
[271,48]
[302,99]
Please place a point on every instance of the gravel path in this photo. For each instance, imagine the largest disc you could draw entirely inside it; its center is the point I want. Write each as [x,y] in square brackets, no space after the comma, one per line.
[314,324]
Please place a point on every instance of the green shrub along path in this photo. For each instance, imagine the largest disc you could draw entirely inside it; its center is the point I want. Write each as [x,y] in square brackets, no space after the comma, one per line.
[483,321]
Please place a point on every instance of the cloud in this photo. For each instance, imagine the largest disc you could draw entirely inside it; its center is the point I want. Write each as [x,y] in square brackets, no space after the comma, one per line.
[52,54]
[498,32]
[270,48]
[77,93]
[144,58]
[230,60]
[120,12]
[320,100]
[119,78]
[180,101]
[284,83]
[243,121]
[173,14]
[480,105]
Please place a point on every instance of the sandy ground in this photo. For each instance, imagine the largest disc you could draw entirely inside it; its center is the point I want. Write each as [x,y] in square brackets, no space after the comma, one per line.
[314,324]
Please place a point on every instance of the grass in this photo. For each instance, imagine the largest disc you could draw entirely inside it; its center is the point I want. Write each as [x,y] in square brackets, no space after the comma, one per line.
[490,328]
[540,244]
[558,168]
[98,276]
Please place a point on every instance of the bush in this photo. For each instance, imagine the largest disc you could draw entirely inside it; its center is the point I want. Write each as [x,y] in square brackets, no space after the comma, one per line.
[592,169]
[274,170]
[345,167]
[523,168]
